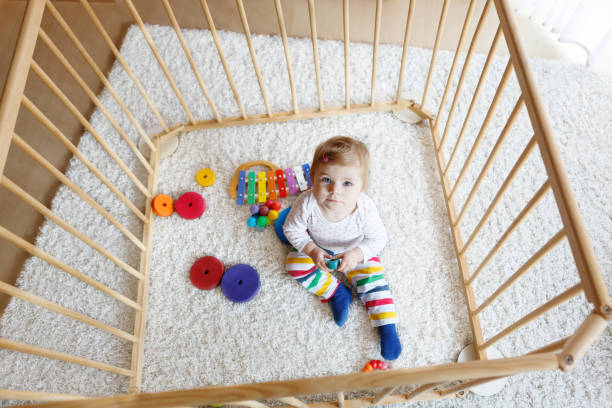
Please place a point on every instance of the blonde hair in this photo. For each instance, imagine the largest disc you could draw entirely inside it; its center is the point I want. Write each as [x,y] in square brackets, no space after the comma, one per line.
[342,150]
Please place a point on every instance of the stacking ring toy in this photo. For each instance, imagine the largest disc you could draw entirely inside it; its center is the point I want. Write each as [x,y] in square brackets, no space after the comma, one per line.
[206,273]
[162,205]
[205,177]
[240,283]
[190,205]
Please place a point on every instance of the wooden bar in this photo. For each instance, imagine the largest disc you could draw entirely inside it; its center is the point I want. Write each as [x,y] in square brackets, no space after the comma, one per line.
[247,33]
[466,65]
[462,263]
[464,386]
[18,75]
[340,398]
[54,307]
[27,149]
[194,68]
[577,345]
[485,169]
[347,65]
[283,32]
[384,393]
[421,389]
[140,320]
[551,304]
[56,355]
[294,402]
[524,268]
[44,211]
[125,66]
[554,346]
[475,95]
[309,114]
[498,94]
[92,96]
[20,395]
[315,50]
[213,32]
[73,109]
[269,390]
[159,59]
[457,57]
[73,149]
[249,404]
[434,54]
[591,278]
[500,193]
[405,49]
[375,48]
[537,197]
[75,40]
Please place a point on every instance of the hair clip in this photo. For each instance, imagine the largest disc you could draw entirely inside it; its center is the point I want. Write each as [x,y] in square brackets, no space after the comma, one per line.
[325,158]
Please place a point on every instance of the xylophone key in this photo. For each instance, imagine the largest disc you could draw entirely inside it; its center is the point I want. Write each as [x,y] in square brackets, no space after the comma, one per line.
[291,181]
[261,184]
[306,168]
[271,185]
[298,172]
[280,179]
[251,188]
[241,184]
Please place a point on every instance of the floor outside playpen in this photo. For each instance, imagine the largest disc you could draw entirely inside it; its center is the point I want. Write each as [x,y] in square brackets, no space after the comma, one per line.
[226,149]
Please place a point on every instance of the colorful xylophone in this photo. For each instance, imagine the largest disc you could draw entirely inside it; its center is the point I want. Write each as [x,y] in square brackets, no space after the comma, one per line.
[250,187]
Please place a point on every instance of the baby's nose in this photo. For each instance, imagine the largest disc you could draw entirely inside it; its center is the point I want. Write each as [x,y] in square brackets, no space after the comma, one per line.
[334,187]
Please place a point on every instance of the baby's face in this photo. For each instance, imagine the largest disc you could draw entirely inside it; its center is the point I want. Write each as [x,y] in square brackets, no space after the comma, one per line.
[336,188]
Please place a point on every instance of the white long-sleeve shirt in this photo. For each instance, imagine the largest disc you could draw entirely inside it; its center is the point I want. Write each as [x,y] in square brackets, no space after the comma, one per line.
[362,228]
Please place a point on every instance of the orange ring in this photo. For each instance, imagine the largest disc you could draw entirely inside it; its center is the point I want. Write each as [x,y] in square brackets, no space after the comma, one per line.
[162,205]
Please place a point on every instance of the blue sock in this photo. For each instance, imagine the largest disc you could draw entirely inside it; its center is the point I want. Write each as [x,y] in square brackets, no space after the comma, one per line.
[340,304]
[390,346]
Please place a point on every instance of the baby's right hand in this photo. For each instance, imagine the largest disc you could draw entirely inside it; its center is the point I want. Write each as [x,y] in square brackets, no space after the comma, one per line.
[319,256]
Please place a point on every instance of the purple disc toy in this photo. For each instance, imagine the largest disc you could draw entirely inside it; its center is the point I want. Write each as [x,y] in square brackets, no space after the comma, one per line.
[240,283]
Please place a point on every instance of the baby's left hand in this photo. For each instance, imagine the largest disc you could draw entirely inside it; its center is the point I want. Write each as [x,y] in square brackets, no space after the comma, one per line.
[349,259]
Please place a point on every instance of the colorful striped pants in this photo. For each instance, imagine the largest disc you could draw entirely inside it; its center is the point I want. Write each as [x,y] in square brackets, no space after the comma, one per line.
[368,278]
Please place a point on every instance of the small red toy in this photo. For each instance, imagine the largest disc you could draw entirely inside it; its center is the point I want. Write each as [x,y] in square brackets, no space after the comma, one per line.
[206,273]
[190,205]
[374,365]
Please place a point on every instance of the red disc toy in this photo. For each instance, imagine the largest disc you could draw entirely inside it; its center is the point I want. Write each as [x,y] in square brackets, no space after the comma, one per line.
[206,273]
[190,205]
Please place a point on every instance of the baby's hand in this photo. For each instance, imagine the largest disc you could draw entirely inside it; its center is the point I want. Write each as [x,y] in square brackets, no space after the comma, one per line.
[350,259]
[319,256]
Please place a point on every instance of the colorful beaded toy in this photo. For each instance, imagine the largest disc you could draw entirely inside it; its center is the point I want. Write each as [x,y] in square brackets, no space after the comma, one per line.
[263,215]
[374,365]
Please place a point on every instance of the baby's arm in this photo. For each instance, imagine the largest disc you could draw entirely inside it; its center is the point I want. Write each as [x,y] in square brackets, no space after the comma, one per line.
[375,235]
[296,231]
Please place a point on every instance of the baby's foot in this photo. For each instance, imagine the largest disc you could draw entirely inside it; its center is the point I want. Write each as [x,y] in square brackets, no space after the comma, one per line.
[340,304]
[390,346]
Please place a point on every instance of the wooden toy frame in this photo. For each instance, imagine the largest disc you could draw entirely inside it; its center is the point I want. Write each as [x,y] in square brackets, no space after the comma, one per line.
[430,382]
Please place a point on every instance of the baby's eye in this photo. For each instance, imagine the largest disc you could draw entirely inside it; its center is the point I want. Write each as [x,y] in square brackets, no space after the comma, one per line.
[347,183]
[326,180]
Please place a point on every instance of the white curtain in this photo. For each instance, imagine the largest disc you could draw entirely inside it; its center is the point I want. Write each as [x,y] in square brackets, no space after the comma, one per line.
[587,23]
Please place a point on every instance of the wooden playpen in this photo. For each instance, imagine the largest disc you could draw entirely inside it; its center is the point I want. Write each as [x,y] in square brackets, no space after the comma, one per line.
[429,382]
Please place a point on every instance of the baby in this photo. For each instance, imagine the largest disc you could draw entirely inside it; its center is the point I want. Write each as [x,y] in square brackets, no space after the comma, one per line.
[336,220]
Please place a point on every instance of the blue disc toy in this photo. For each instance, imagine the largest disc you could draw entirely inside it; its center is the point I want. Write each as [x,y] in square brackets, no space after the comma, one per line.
[240,283]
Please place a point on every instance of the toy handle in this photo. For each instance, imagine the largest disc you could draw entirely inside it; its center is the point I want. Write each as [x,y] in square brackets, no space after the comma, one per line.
[234,183]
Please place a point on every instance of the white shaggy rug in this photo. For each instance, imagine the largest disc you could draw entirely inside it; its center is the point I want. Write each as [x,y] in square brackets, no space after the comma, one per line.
[196,338]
